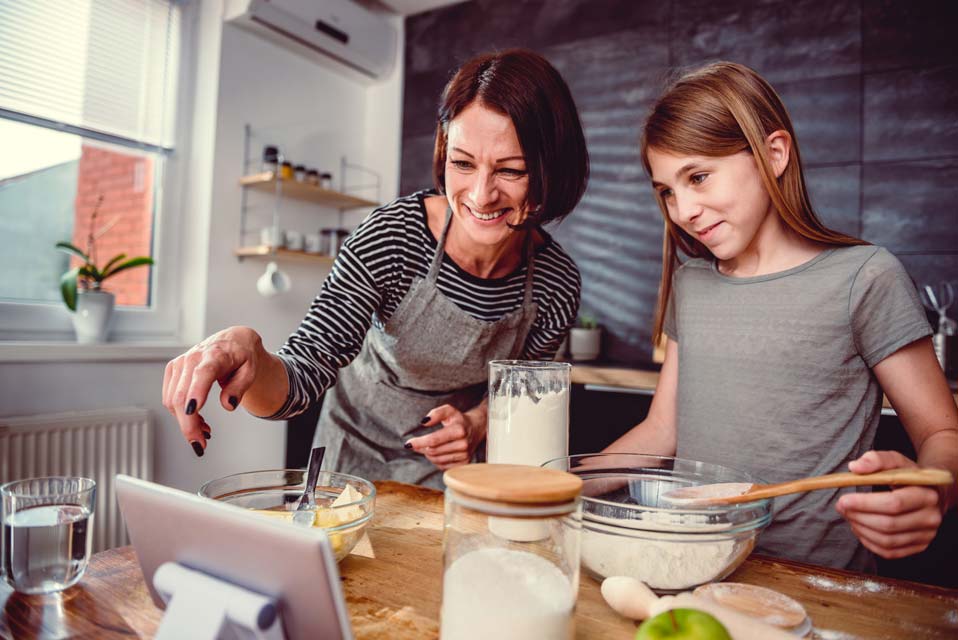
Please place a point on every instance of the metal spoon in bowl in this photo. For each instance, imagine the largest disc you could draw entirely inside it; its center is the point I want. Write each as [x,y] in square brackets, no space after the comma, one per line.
[305,513]
[736,492]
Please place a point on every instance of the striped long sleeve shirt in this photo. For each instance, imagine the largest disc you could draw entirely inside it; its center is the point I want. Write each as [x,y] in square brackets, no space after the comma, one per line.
[374,271]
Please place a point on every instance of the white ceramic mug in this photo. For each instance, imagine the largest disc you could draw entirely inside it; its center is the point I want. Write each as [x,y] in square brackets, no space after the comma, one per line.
[294,240]
[273,281]
[313,243]
[271,236]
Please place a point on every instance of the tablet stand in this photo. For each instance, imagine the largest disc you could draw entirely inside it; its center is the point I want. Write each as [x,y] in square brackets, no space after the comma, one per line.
[204,607]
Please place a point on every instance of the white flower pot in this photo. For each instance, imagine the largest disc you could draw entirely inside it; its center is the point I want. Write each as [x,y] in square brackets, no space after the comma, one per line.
[91,321]
[585,344]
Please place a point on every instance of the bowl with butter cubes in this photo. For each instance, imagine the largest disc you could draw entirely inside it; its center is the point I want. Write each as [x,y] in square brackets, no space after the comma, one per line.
[344,503]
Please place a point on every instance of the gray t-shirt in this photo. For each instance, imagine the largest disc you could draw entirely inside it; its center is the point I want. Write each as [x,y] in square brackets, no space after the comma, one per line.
[775,378]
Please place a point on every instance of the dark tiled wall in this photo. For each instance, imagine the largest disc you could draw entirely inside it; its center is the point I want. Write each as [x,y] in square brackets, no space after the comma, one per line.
[872,86]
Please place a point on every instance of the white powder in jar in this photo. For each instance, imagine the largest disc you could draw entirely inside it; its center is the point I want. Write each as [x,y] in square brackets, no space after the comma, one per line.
[507,595]
[668,562]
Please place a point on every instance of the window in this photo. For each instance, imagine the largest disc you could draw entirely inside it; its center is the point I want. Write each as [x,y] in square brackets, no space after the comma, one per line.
[88,90]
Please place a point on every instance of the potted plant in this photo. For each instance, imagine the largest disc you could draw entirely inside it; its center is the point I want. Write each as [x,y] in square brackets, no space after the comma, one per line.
[585,338]
[82,286]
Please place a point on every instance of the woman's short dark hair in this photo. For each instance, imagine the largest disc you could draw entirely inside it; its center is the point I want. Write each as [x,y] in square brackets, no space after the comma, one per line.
[522,85]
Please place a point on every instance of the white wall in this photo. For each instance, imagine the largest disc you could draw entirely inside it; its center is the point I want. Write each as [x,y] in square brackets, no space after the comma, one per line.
[319,115]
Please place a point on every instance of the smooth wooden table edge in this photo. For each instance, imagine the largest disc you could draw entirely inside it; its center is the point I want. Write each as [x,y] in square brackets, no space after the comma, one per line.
[639,379]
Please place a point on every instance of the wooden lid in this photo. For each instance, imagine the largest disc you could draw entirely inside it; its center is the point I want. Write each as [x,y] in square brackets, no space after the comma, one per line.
[513,483]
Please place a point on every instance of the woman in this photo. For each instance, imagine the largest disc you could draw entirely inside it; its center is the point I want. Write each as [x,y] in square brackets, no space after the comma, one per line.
[426,291]
[782,333]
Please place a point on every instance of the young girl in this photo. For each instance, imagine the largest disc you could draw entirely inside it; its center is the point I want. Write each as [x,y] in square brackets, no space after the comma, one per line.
[783,334]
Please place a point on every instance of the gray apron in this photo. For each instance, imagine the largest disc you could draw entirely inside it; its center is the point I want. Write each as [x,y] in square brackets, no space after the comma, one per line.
[429,353]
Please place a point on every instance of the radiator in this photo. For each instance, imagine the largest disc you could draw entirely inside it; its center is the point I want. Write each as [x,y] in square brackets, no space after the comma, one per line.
[92,444]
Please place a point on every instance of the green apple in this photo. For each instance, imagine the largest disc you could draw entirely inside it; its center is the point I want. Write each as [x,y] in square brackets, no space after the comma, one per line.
[682,624]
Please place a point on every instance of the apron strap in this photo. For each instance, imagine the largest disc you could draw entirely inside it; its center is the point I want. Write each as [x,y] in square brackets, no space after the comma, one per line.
[433,274]
[530,261]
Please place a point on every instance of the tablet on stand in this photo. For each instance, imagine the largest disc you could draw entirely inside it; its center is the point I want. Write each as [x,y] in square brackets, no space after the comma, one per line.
[223,573]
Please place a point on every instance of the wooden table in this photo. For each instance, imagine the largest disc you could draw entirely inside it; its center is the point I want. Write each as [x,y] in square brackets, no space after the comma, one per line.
[396,594]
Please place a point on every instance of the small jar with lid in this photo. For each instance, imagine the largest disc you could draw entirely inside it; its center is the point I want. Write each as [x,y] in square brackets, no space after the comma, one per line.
[326,180]
[510,552]
[325,237]
[299,172]
[270,158]
[286,171]
[312,177]
[336,239]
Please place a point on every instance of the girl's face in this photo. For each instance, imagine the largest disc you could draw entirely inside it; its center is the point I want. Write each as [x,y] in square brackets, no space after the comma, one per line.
[487,184]
[719,201]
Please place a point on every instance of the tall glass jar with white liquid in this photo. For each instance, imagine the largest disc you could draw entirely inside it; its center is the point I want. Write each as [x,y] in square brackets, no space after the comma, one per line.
[528,411]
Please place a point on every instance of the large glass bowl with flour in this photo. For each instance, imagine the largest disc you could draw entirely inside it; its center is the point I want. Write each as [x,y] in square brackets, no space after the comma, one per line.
[628,529]
[344,503]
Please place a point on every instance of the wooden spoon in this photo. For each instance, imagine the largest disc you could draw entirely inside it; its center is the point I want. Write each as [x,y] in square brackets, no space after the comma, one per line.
[736,492]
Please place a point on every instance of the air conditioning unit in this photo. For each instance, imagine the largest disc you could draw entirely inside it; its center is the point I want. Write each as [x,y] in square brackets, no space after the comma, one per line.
[335,30]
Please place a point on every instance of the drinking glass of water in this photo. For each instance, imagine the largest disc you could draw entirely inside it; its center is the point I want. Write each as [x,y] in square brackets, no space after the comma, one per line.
[46,532]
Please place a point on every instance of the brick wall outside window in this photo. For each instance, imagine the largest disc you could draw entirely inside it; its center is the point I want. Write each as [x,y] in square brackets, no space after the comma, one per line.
[126,183]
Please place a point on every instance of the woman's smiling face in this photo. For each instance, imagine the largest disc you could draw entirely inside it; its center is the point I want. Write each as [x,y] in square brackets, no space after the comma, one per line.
[720,201]
[486,178]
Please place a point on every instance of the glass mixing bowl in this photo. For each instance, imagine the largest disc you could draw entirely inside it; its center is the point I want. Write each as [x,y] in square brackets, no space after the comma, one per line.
[628,529]
[276,492]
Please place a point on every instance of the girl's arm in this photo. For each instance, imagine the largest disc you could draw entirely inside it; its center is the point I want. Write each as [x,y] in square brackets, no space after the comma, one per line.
[656,434]
[904,521]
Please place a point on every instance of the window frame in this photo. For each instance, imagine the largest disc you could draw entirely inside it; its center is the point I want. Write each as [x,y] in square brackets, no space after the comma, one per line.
[50,322]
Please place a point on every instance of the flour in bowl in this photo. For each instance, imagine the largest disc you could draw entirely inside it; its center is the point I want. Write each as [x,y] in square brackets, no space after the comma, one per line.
[667,562]
[506,595]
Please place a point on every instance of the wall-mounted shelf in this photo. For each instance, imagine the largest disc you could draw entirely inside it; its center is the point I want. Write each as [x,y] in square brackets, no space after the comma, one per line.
[267,182]
[266,251]
[272,189]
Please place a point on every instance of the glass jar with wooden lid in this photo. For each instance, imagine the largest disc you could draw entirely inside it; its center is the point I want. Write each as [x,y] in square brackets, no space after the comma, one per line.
[510,552]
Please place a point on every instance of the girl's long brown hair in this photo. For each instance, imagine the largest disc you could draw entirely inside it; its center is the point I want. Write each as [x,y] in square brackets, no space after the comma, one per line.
[718,110]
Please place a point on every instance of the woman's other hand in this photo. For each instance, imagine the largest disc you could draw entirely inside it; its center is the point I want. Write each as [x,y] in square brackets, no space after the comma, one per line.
[892,524]
[230,357]
[456,441]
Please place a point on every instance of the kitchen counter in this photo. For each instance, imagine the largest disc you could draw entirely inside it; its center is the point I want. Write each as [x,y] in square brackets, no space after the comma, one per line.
[643,381]
[393,590]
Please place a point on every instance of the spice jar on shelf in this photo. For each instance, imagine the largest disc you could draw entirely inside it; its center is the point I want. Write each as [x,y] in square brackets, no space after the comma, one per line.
[299,171]
[312,177]
[324,238]
[497,587]
[312,244]
[270,158]
[286,171]
[326,180]
[336,239]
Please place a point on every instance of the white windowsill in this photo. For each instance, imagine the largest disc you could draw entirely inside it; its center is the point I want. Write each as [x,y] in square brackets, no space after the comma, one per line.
[72,352]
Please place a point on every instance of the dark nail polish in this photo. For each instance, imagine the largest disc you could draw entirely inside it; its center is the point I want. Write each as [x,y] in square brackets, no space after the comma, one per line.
[198,448]
[424,420]
[191,407]
[233,401]
[207,435]
[408,446]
